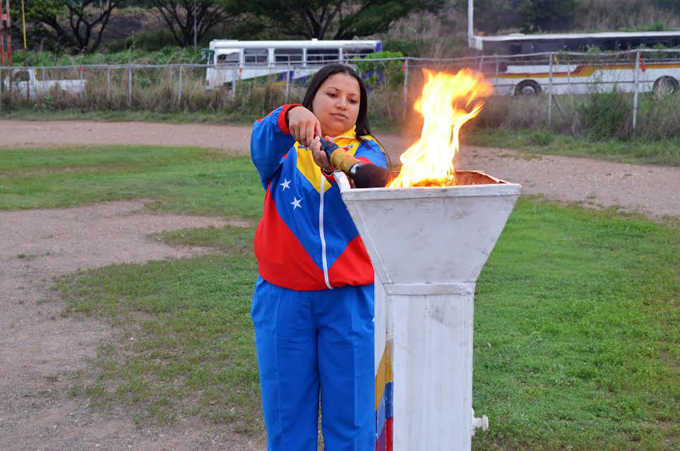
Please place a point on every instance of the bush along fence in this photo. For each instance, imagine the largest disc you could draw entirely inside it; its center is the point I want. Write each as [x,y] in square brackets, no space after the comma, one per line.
[609,94]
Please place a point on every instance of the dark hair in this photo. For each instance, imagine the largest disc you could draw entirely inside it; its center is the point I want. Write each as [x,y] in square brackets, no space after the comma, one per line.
[363,128]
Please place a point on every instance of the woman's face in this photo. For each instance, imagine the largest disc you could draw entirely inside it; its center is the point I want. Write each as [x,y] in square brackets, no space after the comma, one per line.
[336,104]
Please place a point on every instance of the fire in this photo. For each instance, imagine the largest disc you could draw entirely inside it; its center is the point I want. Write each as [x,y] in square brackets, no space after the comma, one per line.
[429,162]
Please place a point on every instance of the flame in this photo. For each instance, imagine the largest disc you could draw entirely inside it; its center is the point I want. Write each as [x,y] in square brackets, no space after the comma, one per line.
[429,162]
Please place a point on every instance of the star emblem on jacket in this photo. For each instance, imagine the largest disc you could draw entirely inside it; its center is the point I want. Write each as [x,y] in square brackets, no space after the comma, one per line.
[296,203]
[285,184]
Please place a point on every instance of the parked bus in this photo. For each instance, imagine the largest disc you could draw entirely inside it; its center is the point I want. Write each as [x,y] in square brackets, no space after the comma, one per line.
[231,60]
[600,70]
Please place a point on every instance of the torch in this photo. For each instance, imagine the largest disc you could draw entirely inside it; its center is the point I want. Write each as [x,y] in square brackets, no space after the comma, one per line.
[364,175]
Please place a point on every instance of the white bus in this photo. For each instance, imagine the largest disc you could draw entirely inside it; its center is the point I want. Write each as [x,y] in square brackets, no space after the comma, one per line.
[573,74]
[231,60]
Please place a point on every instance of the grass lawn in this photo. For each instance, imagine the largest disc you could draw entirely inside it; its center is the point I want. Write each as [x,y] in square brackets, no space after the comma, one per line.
[576,337]
[185,180]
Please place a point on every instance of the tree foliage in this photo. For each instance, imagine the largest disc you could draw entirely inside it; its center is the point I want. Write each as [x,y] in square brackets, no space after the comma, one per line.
[334,19]
[672,5]
[547,15]
[529,15]
[74,24]
[182,15]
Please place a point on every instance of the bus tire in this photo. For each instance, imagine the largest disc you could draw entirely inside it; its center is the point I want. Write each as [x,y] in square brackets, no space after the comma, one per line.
[666,85]
[528,88]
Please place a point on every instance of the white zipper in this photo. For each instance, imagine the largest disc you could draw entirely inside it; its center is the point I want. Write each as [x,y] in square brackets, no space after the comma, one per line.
[321,234]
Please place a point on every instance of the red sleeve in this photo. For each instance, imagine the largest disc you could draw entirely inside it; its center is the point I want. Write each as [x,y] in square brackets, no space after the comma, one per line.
[330,178]
[283,125]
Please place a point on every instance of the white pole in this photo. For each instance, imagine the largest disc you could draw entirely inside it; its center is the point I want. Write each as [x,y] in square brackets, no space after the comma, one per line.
[194,13]
[496,80]
[129,85]
[287,82]
[233,86]
[470,25]
[635,98]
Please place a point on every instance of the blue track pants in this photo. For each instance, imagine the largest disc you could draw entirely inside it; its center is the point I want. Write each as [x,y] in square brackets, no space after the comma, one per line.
[313,344]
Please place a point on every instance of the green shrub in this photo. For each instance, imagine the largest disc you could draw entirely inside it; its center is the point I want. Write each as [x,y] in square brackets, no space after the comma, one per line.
[541,138]
[390,71]
[607,114]
[406,48]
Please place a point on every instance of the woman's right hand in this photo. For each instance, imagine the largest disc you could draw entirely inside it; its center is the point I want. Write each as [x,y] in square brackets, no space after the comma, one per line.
[303,125]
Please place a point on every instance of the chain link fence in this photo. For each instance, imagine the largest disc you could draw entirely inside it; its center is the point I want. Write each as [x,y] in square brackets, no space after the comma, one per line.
[564,91]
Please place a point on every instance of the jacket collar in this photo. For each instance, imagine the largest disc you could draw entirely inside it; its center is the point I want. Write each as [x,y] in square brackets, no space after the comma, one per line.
[349,134]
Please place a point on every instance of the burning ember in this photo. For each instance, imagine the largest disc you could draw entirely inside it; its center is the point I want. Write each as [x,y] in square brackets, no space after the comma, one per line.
[429,162]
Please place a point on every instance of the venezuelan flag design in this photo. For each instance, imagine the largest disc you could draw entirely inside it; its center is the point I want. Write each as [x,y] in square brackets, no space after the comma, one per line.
[306,239]
[383,398]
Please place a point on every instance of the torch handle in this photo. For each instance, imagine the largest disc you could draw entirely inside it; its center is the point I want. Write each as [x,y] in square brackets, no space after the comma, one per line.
[364,175]
[338,157]
[328,146]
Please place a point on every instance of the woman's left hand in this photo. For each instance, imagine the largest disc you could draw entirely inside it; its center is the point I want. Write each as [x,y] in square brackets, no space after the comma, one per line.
[319,156]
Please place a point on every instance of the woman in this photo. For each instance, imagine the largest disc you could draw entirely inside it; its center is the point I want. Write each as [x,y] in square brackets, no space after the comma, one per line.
[313,303]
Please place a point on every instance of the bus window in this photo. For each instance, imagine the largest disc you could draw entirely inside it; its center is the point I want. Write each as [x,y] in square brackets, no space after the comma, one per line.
[228,58]
[288,55]
[20,76]
[322,55]
[255,56]
[542,47]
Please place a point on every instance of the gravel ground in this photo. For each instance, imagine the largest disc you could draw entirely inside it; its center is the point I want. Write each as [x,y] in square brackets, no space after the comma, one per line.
[41,351]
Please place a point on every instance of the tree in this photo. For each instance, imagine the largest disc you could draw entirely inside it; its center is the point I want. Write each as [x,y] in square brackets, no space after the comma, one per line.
[548,15]
[530,15]
[334,19]
[179,16]
[672,5]
[490,16]
[75,24]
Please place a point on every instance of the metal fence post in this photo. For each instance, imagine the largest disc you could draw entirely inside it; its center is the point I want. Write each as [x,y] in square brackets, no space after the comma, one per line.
[179,95]
[108,83]
[550,93]
[405,67]
[287,82]
[233,86]
[81,71]
[635,97]
[129,85]
[569,75]
[495,57]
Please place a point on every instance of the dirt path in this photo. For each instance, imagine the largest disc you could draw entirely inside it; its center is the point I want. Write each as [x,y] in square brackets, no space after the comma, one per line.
[650,190]
[40,351]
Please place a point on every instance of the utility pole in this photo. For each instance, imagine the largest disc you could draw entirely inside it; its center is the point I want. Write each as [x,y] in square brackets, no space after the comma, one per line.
[195,39]
[471,30]
[23,21]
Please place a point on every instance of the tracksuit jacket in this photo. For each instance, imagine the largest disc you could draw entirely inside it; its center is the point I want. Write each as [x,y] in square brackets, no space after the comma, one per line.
[306,239]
